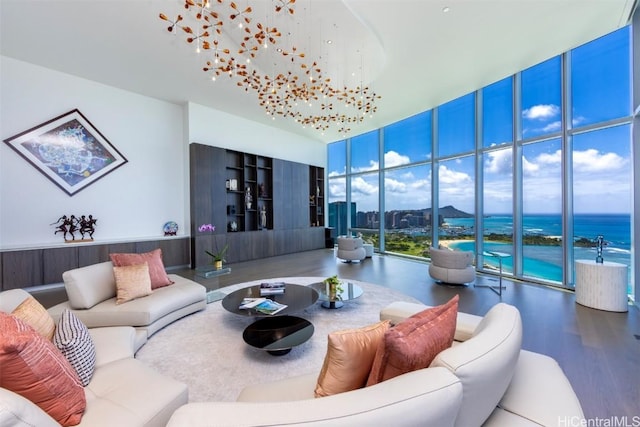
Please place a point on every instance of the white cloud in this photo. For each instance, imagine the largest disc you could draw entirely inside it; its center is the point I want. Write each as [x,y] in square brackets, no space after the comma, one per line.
[392,159]
[373,166]
[395,186]
[359,185]
[553,127]
[592,160]
[528,167]
[553,159]
[499,162]
[541,112]
[451,177]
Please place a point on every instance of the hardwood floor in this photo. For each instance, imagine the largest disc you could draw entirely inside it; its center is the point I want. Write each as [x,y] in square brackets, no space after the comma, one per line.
[599,351]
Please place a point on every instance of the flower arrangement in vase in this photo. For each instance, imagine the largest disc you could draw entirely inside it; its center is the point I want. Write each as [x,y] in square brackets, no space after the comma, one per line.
[333,288]
[218,256]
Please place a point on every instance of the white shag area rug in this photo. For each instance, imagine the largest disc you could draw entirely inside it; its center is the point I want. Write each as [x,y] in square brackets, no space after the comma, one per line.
[205,350]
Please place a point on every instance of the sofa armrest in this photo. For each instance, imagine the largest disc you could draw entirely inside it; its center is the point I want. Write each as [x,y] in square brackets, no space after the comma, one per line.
[539,391]
[12,298]
[113,343]
[398,311]
[16,410]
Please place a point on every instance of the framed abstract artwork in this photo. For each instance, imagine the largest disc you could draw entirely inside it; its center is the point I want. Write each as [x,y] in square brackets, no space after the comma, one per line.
[68,150]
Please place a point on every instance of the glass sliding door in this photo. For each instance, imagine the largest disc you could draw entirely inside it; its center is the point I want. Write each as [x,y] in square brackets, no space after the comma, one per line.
[602,194]
[456,214]
[407,219]
[337,186]
[497,218]
[365,206]
[542,210]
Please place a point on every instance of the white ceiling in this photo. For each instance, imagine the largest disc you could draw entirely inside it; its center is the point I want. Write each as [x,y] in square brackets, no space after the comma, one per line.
[410,52]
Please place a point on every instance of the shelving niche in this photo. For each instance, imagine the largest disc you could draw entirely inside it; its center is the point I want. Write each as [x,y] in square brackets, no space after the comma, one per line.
[316,196]
[249,185]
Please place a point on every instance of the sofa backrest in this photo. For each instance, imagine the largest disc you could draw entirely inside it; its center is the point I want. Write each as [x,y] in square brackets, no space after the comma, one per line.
[426,398]
[349,243]
[90,285]
[485,363]
[447,258]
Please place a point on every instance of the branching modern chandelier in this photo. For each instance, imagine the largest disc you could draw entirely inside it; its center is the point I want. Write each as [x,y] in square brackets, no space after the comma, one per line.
[287,83]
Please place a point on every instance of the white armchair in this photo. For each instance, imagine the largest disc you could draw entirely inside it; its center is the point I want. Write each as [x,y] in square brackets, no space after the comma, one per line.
[350,249]
[452,267]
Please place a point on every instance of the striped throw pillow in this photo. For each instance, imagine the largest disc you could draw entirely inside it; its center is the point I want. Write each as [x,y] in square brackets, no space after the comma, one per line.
[74,341]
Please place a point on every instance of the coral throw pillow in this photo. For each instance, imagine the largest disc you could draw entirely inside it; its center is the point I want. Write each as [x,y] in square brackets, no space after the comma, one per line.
[413,343]
[349,358]
[35,315]
[132,281]
[31,366]
[157,273]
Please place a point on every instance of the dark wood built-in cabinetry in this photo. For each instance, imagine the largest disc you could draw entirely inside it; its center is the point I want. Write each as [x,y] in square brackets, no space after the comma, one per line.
[249,188]
[275,223]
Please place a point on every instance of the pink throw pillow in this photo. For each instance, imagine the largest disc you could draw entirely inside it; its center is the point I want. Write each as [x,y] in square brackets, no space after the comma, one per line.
[32,366]
[413,343]
[157,273]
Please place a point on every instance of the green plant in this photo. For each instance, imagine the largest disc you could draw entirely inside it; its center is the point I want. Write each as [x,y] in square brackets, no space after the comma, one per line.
[219,256]
[335,286]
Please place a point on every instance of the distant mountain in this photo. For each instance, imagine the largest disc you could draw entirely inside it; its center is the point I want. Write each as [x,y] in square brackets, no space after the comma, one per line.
[451,212]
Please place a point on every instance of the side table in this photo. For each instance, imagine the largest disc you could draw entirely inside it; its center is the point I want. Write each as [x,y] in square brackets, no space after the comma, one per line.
[368,249]
[500,256]
[602,286]
[209,272]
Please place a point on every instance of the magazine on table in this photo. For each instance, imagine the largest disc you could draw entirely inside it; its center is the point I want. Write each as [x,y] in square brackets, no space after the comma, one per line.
[250,302]
[262,305]
[273,288]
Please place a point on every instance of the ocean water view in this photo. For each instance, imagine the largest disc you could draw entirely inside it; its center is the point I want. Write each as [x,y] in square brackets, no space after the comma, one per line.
[545,262]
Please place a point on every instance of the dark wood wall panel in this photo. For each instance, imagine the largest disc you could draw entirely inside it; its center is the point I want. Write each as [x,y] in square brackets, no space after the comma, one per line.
[58,260]
[21,269]
[207,174]
[35,267]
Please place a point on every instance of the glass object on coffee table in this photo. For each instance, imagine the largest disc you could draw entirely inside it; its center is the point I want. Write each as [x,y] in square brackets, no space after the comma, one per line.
[349,291]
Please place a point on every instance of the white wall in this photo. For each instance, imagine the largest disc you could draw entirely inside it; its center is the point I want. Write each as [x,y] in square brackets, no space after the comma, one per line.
[216,128]
[132,202]
[135,200]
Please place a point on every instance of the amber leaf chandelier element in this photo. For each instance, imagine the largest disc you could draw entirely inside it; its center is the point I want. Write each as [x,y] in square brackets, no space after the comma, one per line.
[286,81]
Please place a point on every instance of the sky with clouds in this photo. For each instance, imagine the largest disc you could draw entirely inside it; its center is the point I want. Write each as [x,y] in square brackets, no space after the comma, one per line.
[601,159]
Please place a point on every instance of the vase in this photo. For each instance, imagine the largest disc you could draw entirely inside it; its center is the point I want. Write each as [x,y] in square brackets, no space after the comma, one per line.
[217,265]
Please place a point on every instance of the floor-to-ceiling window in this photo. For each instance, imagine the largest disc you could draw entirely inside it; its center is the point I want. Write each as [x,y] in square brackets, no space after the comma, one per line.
[337,187]
[536,165]
[497,172]
[407,186]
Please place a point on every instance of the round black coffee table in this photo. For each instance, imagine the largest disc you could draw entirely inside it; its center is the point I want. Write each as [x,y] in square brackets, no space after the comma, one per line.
[295,297]
[278,334]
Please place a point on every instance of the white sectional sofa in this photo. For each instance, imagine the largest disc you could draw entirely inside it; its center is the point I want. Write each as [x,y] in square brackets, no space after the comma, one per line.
[122,392]
[92,298]
[483,379]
